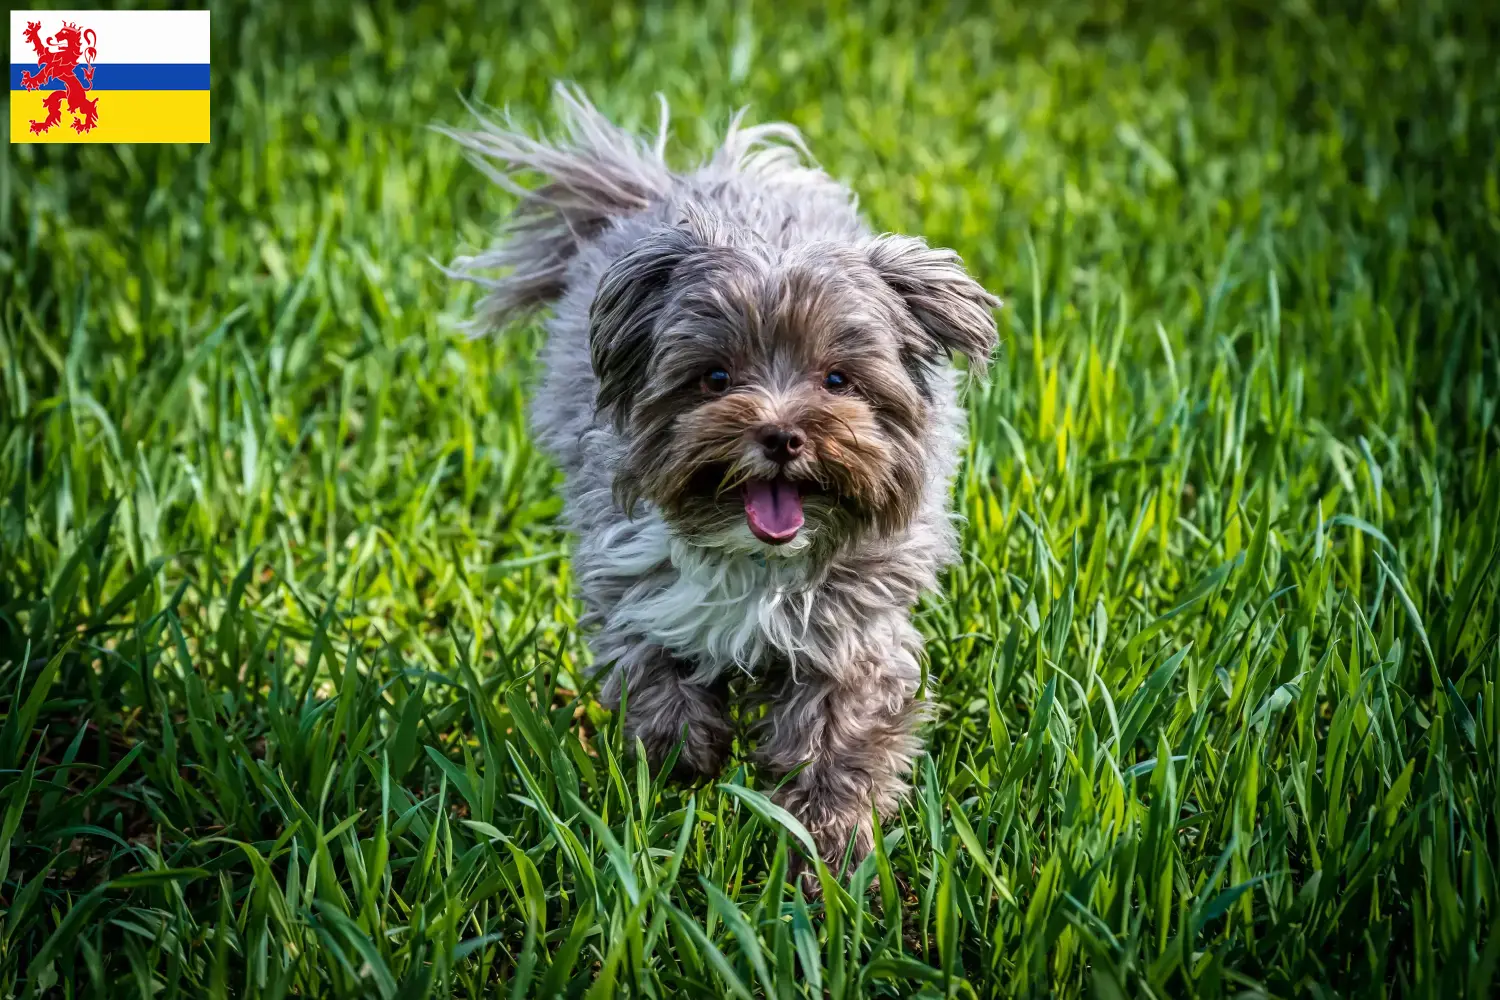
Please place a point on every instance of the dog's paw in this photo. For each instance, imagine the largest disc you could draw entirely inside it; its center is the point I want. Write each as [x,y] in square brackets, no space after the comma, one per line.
[801,872]
[804,874]
[704,750]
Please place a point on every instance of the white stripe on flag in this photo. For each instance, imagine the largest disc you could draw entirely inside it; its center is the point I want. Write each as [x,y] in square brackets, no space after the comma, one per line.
[124,36]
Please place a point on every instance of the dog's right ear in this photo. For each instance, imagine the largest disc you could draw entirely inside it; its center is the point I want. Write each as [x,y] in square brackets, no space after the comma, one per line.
[622,320]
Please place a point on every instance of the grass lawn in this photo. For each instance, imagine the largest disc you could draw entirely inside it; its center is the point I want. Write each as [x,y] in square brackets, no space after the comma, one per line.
[294,701]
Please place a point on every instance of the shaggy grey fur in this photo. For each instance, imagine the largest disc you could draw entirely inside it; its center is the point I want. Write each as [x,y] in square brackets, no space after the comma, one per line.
[756,265]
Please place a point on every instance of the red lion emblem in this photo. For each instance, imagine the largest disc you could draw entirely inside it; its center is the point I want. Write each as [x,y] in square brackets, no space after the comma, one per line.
[56,58]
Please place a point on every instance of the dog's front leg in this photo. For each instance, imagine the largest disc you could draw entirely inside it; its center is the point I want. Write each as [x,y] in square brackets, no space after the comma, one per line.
[856,736]
[660,701]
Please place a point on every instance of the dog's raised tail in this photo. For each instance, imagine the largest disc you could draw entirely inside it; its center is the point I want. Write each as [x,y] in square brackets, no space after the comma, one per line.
[591,173]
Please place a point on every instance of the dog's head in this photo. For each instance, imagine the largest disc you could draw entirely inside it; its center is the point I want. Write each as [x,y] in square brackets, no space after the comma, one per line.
[787,391]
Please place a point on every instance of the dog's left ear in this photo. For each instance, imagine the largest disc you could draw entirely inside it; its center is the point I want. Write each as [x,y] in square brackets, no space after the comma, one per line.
[952,310]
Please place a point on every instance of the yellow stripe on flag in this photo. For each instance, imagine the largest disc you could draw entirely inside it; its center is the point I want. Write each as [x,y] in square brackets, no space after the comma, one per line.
[124,116]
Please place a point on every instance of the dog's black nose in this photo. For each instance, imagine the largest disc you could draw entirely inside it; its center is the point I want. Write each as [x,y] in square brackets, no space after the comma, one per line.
[781,444]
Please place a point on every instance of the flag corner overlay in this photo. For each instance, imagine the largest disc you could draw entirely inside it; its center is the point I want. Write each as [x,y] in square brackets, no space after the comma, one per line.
[109,76]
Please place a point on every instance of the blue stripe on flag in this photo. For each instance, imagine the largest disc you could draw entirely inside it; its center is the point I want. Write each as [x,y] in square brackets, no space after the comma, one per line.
[127,76]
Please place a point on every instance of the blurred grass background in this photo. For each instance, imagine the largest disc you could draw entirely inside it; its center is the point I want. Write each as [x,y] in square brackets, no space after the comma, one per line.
[287,656]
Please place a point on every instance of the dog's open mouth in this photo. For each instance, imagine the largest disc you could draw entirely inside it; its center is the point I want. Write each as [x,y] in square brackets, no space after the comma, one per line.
[773,509]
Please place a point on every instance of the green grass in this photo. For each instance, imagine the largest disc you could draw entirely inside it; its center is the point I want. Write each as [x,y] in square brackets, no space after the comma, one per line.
[288,658]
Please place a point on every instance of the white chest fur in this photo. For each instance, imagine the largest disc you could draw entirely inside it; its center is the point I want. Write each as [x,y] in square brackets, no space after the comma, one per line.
[732,604]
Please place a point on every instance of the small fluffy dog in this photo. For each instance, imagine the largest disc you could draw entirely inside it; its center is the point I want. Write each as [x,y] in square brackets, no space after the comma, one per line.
[752,398]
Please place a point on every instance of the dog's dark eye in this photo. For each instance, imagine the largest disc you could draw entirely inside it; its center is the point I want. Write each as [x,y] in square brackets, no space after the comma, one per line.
[716,380]
[836,381]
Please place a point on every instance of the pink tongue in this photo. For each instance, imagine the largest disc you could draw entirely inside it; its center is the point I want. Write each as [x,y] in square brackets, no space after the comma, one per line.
[773,507]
